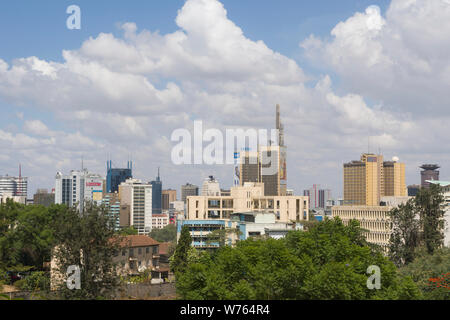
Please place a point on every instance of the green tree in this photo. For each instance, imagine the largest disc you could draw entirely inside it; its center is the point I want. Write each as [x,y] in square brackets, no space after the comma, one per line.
[128,231]
[180,258]
[427,267]
[328,261]
[166,234]
[405,237]
[85,240]
[430,205]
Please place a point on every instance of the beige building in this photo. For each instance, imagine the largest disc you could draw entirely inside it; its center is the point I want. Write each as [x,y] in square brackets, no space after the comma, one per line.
[160,220]
[374,219]
[138,196]
[168,196]
[247,198]
[369,179]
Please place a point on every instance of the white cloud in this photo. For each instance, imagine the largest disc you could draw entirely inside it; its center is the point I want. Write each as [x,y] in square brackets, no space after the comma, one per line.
[123,97]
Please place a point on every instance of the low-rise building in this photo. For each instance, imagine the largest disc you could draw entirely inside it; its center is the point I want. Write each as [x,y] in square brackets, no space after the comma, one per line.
[247,198]
[240,226]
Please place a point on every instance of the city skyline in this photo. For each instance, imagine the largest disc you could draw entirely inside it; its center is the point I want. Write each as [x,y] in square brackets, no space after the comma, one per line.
[329,108]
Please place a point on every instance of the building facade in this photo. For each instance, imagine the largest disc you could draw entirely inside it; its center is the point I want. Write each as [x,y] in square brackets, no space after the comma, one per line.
[157,195]
[14,187]
[43,198]
[115,176]
[248,198]
[138,197]
[188,190]
[168,196]
[369,179]
[77,188]
[429,172]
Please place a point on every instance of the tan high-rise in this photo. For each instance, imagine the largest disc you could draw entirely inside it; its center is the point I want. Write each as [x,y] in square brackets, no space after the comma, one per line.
[369,179]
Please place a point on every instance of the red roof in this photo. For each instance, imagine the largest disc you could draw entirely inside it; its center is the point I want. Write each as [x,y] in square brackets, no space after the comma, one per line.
[138,241]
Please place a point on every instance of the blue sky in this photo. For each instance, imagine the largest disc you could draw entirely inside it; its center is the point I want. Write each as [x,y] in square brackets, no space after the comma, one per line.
[374,77]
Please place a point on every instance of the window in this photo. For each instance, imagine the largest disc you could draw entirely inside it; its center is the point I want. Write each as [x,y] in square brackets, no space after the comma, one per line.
[147,250]
[155,250]
[131,251]
[140,251]
[124,252]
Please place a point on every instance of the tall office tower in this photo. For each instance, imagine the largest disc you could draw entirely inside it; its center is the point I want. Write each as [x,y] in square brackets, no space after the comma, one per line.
[273,163]
[363,181]
[249,167]
[413,190]
[115,176]
[211,187]
[394,178]
[324,197]
[430,172]
[157,194]
[313,196]
[43,198]
[188,190]
[14,187]
[168,196]
[77,188]
[136,197]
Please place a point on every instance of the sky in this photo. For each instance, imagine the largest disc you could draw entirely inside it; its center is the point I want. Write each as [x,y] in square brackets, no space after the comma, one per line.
[350,76]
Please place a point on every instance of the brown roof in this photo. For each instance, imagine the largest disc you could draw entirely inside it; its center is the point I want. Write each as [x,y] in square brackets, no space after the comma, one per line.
[164,248]
[138,241]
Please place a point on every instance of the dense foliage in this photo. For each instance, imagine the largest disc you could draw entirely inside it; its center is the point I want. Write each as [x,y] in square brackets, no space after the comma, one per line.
[166,234]
[418,223]
[329,261]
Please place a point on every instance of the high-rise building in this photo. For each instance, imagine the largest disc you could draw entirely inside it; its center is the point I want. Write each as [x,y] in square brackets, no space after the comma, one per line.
[394,179]
[14,187]
[77,188]
[430,172]
[138,197]
[249,167]
[369,179]
[43,198]
[324,196]
[168,196]
[115,176]
[211,187]
[413,190]
[157,194]
[188,190]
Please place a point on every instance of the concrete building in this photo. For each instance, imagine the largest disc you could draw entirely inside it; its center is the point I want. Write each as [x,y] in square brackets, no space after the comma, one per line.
[374,219]
[14,188]
[369,179]
[413,190]
[157,194]
[188,190]
[446,189]
[168,196]
[429,172]
[111,201]
[43,198]
[115,176]
[138,196]
[211,187]
[138,253]
[77,188]
[160,220]
[248,198]
[240,226]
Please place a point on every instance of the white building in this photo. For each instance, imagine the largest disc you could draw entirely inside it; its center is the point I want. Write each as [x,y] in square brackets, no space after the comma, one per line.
[446,188]
[77,188]
[211,187]
[138,196]
[15,188]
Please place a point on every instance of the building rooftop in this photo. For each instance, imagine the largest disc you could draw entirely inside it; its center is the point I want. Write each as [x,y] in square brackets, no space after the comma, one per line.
[138,241]
[441,183]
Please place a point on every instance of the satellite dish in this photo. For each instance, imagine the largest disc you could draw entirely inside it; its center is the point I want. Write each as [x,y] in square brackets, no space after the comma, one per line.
[396,159]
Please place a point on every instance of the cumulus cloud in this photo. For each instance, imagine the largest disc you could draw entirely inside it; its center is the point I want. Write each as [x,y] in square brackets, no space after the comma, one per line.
[122,97]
